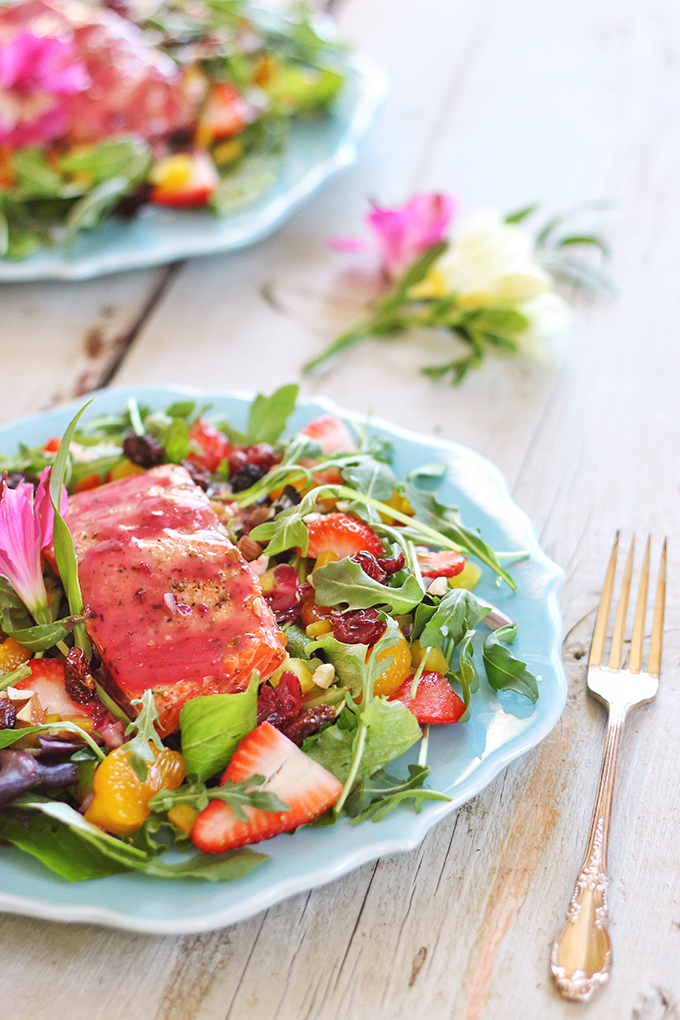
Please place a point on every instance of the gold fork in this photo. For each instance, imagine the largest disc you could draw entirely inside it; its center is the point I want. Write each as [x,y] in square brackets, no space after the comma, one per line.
[581,956]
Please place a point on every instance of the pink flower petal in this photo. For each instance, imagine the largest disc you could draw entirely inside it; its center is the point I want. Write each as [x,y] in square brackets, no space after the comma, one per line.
[347,243]
[405,232]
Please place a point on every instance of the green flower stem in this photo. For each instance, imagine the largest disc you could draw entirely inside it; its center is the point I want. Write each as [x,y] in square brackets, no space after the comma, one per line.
[357,755]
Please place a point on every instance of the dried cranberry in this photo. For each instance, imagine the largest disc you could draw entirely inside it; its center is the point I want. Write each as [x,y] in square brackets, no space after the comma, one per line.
[393,566]
[358,627]
[144,451]
[199,475]
[237,459]
[8,715]
[262,455]
[285,597]
[309,722]
[247,476]
[369,565]
[78,681]
[281,704]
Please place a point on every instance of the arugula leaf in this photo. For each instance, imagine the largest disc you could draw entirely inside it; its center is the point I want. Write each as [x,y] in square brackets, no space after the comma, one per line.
[296,642]
[77,850]
[237,795]
[288,529]
[267,417]
[505,672]
[145,734]
[458,612]
[90,209]
[448,522]
[467,675]
[371,476]
[20,673]
[128,158]
[176,441]
[381,793]
[213,726]
[349,660]
[64,553]
[344,581]
[34,176]
[44,635]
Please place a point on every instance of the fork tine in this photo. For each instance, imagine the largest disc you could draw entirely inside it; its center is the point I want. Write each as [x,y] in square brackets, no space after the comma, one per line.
[638,639]
[616,654]
[657,621]
[600,632]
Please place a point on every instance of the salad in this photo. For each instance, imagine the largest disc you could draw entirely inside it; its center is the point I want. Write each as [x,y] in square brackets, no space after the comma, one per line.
[210,637]
[107,107]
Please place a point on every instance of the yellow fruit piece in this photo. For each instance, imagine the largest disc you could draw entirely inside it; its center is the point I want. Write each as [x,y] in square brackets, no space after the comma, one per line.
[124,470]
[398,669]
[183,817]
[267,580]
[468,577]
[435,660]
[12,655]
[324,557]
[297,666]
[400,503]
[83,721]
[227,152]
[120,803]
[172,172]
[318,628]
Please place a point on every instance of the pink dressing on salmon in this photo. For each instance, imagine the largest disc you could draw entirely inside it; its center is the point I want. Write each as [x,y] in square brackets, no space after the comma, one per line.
[171,603]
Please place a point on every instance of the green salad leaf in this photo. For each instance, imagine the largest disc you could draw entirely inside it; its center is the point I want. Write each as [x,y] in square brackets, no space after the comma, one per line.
[503,671]
[247,793]
[213,726]
[376,796]
[144,735]
[267,417]
[344,581]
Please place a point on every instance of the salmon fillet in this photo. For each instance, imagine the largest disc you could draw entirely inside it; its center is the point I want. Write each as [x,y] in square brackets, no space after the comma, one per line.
[171,603]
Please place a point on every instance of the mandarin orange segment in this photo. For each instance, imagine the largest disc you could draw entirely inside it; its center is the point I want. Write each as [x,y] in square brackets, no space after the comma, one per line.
[12,655]
[120,803]
[393,677]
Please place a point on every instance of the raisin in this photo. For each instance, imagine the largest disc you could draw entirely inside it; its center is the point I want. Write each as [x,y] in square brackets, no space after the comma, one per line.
[393,566]
[8,715]
[199,475]
[369,565]
[144,451]
[78,681]
[358,626]
[245,477]
[309,722]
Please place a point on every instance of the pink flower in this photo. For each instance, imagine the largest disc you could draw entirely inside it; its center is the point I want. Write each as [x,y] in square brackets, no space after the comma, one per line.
[34,72]
[405,232]
[26,524]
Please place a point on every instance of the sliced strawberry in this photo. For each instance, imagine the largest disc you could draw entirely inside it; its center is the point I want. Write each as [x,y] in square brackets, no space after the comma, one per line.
[47,680]
[186,178]
[342,534]
[301,783]
[441,564]
[224,115]
[330,433]
[435,700]
[213,446]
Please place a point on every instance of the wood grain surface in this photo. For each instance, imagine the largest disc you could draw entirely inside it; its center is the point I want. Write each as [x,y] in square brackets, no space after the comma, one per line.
[501,104]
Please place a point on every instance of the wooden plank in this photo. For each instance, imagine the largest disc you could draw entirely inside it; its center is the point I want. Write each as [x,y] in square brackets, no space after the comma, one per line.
[60,340]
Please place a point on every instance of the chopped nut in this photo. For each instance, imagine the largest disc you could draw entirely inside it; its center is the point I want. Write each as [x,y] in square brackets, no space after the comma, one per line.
[439,587]
[324,675]
[249,548]
[32,714]
[14,694]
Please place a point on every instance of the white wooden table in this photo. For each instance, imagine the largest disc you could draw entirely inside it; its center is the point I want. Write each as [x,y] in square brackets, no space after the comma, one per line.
[501,104]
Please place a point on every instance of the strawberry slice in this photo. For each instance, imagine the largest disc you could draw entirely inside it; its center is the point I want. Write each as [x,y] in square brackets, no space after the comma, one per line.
[213,445]
[47,681]
[224,115]
[441,564]
[297,780]
[186,178]
[435,700]
[330,433]
[342,534]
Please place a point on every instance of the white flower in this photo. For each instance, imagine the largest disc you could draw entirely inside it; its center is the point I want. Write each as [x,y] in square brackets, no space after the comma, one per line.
[490,264]
[547,314]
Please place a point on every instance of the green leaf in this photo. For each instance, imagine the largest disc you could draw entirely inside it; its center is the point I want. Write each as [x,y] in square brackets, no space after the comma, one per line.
[287,530]
[344,581]
[128,158]
[268,416]
[213,726]
[504,672]
[349,660]
[60,848]
[4,234]
[34,176]
[43,636]
[176,441]
[371,477]
[584,239]
[247,793]
[381,793]
[296,641]
[458,612]
[64,553]
[416,272]
[181,409]
[20,673]
[448,522]
[521,214]
[428,472]
[467,675]
[90,209]
[144,732]
[501,322]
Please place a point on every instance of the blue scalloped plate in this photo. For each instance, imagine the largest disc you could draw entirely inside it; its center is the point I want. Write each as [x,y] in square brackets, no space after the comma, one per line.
[464,758]
[316,150]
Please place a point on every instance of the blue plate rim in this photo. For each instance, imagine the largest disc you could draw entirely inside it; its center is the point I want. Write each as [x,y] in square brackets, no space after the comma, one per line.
[477,780]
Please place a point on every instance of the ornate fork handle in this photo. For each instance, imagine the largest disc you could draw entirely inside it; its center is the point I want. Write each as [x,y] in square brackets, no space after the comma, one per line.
[581,956]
